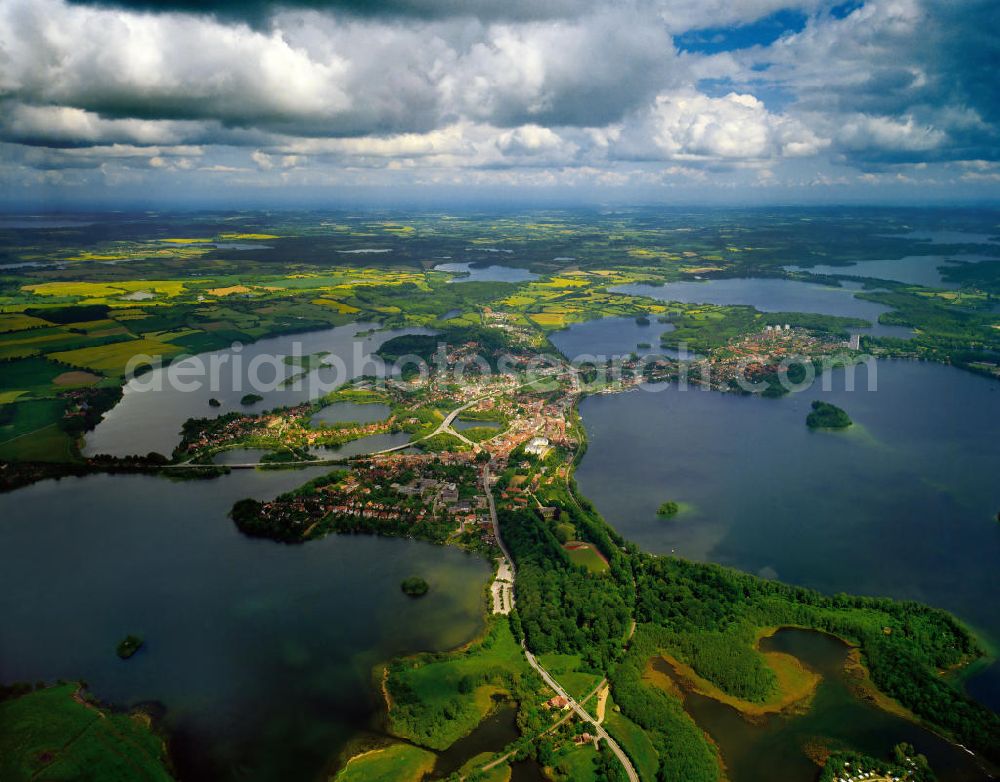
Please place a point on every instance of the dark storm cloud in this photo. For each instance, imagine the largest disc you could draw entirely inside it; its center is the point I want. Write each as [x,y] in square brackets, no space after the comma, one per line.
[965,40]
[314,75]
[257,12]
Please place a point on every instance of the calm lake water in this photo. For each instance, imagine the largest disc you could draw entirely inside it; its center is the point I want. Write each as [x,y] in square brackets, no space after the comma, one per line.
[492,273]
[260,652]
[150,420]
[953,237]
[342,412]
[461,424]
[902,504]
[773,749]
[363,445]
[772,295]
[240,456]
[914,269]
[610,337]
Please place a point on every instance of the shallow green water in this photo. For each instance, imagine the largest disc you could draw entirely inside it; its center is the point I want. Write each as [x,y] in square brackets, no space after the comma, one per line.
[774,748]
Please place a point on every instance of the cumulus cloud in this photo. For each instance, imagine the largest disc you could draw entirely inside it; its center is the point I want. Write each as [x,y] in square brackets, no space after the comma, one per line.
[863,132]
[319,91]
[529,140]
[586,73]
[325,75]
[72,127]
[894,80]
[735,128]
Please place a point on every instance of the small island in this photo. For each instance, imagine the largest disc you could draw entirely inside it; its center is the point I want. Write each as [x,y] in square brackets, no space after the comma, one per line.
[250,399]
[827,416]
[129,646]
[642,320]
[414,586]
[668,509]
[213,402]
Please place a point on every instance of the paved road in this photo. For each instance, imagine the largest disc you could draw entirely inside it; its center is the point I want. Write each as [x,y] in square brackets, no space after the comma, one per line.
[533,662]
[583,715]
[496,524]
[252,465]
[552,727]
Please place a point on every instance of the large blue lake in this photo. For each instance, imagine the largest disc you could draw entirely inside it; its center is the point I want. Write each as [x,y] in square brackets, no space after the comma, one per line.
[155,405]
[773,295]
[902,504]
[261,653]
[915,269]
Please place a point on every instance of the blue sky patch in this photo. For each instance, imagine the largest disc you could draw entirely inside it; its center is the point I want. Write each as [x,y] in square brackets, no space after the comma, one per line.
[774,96]
[763,32]
[842,10]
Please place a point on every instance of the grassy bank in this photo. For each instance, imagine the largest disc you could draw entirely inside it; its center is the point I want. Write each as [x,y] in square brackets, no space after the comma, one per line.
[395,763]
[437,699]
[58,734]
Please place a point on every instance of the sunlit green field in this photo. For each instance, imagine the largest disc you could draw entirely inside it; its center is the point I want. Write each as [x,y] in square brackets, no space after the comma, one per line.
[54,734]
[182,284]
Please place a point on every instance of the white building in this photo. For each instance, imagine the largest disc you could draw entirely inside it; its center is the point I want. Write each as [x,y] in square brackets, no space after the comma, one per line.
[537,446]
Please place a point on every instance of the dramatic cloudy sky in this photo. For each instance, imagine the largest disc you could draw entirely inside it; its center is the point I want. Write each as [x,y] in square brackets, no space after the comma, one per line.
[739,100]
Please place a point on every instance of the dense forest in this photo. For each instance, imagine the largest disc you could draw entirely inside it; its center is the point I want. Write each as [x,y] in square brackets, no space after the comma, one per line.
[560,607]
[684,750]
[707,613]
[708,617]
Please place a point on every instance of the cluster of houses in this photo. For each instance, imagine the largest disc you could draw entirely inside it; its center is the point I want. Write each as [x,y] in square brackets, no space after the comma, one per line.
[761,353]
[561,703]
[510,323]
[374,510]
[436,496]
[288,428]
[860,775]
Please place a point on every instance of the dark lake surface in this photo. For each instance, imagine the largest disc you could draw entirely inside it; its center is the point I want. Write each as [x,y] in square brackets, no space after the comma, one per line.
[610,337]
[495,732]
[774,748]
[363,445]
[773,295]
[461,424]
[916,269]
[353,412]
[260,652]
[902,504]
[155,405]
[240,456]
[491,273]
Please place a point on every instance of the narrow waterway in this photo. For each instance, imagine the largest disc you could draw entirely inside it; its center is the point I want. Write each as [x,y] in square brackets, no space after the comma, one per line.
[779,746]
